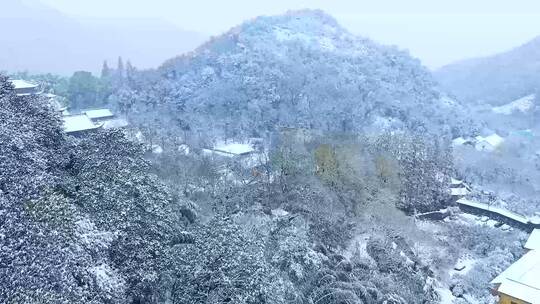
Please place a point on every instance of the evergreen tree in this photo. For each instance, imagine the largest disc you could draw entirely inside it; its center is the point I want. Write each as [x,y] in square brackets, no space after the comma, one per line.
[120,67]
[105,70]
[130,73]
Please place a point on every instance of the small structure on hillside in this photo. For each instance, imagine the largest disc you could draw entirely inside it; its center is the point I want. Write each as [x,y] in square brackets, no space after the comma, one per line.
[79,124]
[26,88]
[458,189]
[234,149]
[460,141]
[107,118]
[115,123]
[489,143]
[497,213]
[23,87]
[520,283]
[249,153]
[99,115]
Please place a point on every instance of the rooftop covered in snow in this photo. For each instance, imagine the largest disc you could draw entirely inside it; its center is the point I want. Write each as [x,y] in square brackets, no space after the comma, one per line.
[459,191]
[115,123]
[521,279]
[509,214]
[460,141]
[99,113]
[78,123]
[493,139]
[234,148]
[488,143]
[455,181]
[22,84]
[533,243]
[23,87]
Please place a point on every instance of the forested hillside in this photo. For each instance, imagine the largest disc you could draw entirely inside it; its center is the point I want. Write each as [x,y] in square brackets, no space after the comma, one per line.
[301,69]
[82,220]
[339,187]
[501,92]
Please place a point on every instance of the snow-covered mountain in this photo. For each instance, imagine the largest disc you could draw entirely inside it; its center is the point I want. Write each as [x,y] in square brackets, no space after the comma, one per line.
[496,79]
[524,105]
[299,69]
[40,39]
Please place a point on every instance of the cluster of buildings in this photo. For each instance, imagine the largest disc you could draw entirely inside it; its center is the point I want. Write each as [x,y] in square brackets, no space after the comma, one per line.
[520,283]
[75,124]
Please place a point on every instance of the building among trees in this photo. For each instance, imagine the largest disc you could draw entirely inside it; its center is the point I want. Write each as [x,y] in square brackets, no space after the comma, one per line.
[79,124]
[23,87]
[99,115]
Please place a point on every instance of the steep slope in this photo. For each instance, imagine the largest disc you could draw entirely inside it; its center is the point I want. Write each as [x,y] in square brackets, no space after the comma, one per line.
[82,220]
[40,39]
[497,79]
[301,69]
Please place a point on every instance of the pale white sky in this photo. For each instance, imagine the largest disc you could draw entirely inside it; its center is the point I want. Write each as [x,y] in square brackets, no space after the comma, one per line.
[437,32]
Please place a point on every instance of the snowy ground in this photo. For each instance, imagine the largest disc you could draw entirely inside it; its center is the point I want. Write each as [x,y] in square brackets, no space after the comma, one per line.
[468,251]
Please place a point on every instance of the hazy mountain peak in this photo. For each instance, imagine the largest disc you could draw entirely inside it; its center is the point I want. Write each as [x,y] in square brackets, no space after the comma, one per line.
[495,79]
[41,39]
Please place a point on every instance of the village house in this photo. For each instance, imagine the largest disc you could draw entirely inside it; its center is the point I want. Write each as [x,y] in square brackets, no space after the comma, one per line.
[460,141]
[107,118]
[79,124]
[458,189]
[23,87]
[99,115]
[489,143]
[520,283]
[26,88]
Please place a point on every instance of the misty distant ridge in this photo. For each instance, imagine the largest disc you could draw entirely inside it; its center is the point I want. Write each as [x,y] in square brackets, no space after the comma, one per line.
[41,39]
[496,79]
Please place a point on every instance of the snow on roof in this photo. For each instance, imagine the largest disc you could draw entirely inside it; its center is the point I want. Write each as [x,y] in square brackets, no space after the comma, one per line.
[501,211]
[521,279]
[115,123]
[459,141]
[454,181]
[459,191]
[234,148]
[523,104]
[22,84]
[99,113]
[157,149]
[75,123]
[494,139]
[535,219]
[488,143]
[533,243]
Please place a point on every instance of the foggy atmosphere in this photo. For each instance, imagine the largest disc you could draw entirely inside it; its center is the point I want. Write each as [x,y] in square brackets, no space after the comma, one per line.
[279,152]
